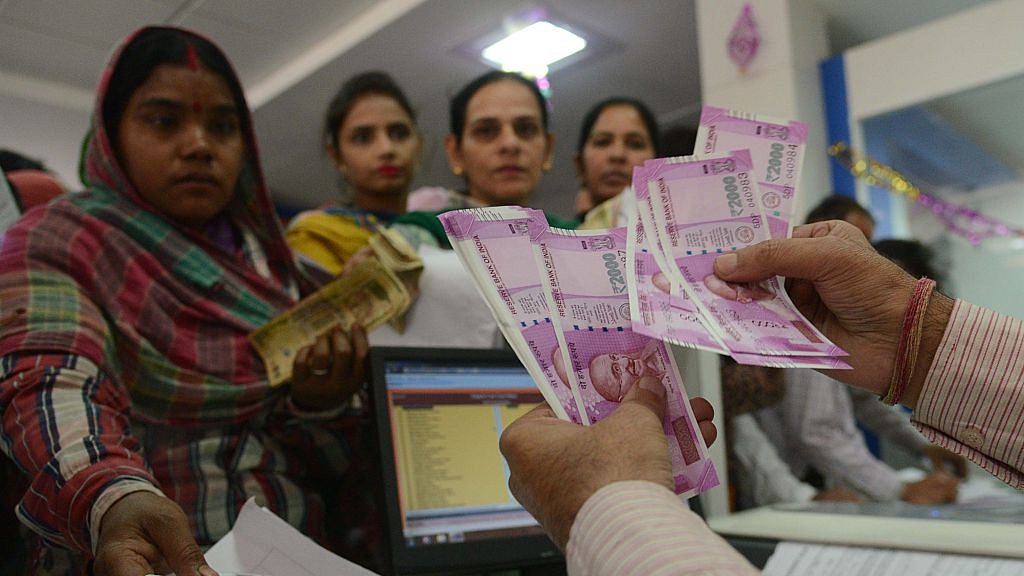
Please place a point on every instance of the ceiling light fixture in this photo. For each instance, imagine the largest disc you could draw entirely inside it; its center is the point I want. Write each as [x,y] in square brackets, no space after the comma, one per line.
[532,49]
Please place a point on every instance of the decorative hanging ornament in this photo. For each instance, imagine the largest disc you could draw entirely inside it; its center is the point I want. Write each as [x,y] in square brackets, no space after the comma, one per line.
[960,220]
[744,39]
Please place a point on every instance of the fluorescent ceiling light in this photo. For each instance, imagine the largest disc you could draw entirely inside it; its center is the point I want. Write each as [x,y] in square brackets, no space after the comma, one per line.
[532,49]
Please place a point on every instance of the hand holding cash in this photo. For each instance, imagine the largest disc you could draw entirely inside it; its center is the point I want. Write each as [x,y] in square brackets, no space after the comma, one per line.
[329,371]
[859,296]
[592,313]
[627,445]
[378,288]
[561,300]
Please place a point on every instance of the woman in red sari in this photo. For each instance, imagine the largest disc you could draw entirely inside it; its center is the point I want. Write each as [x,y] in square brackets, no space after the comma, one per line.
[129,392]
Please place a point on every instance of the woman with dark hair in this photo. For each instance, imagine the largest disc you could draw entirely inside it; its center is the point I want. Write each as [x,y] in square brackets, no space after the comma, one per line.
[616,135]
[499,142]
[371,137]
[500,139]
[131,396]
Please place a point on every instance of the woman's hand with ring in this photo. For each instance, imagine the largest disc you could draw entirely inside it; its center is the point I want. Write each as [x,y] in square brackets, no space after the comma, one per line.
[328,372]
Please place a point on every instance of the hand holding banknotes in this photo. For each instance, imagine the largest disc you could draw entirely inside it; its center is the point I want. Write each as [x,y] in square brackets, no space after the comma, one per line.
[556,466]
[855,296]
[144,531]
[328,372]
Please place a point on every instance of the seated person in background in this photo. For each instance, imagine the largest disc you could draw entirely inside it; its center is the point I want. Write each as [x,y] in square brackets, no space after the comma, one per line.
[499,142]
[130,394]
[758,475]
[373,140]
[608,501]
[32,183]
[616,135]
[815,424]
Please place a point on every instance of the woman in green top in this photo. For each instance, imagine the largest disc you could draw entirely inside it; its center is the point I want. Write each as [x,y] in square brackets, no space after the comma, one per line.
[500,143]
[372,139]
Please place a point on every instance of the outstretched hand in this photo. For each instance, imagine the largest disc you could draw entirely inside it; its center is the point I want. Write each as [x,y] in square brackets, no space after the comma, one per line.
[556,465]
[146,533]
[854,295]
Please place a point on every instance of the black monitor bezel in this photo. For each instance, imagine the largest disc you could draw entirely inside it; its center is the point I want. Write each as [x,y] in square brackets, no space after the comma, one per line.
[453,558]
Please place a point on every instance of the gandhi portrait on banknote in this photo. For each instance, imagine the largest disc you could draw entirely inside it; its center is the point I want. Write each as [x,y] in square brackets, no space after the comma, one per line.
[614,373]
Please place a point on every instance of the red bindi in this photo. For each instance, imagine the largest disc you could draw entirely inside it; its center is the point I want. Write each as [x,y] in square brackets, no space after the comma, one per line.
[192,57]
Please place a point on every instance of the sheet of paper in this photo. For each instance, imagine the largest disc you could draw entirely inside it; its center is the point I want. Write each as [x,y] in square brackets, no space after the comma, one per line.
[261,543]
[799,559]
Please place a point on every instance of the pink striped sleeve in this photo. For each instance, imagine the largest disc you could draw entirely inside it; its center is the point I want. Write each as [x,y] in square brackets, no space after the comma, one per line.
[641,528]
[972,401]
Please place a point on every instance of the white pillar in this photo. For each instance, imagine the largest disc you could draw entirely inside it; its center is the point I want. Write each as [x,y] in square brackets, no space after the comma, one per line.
[782,81]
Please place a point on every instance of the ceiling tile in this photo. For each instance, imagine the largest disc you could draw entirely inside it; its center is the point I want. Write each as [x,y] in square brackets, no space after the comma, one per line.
[262,36]
[97,24]
[68,42]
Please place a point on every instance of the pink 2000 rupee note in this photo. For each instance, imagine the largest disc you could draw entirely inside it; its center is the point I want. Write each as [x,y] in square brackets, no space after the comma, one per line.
[494,243]
[704,208]
[600,355]
[776,149]
[685,326]
[658,311]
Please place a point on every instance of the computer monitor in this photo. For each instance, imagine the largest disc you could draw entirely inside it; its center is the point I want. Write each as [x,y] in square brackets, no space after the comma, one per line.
[447,508]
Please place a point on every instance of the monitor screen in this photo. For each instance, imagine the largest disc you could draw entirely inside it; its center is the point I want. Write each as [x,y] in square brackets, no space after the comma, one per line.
[439,414]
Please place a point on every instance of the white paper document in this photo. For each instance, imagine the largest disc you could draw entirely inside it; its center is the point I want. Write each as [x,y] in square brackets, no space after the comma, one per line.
[798,559]
[261,543]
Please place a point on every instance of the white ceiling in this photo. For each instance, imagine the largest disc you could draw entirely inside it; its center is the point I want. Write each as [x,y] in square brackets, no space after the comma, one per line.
[291,57]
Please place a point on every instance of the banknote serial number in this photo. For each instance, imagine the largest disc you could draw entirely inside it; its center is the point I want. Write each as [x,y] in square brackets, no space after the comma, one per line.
[781,156]
[614,270]
[738,193]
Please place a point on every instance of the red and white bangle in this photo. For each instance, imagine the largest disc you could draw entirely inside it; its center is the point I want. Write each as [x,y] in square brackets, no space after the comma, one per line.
[910,341]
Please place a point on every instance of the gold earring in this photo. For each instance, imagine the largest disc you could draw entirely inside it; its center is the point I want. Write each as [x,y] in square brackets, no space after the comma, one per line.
[546,166]
[457,170]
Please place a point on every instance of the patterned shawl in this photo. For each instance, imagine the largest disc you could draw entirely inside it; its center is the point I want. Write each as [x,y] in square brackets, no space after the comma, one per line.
[123,335]
[161,308]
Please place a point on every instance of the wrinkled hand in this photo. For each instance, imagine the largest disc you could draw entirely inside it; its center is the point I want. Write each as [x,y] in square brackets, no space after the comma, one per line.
[145,533]
[936,488]
[943,459]
[852,294]
[328,372]
[556,465]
